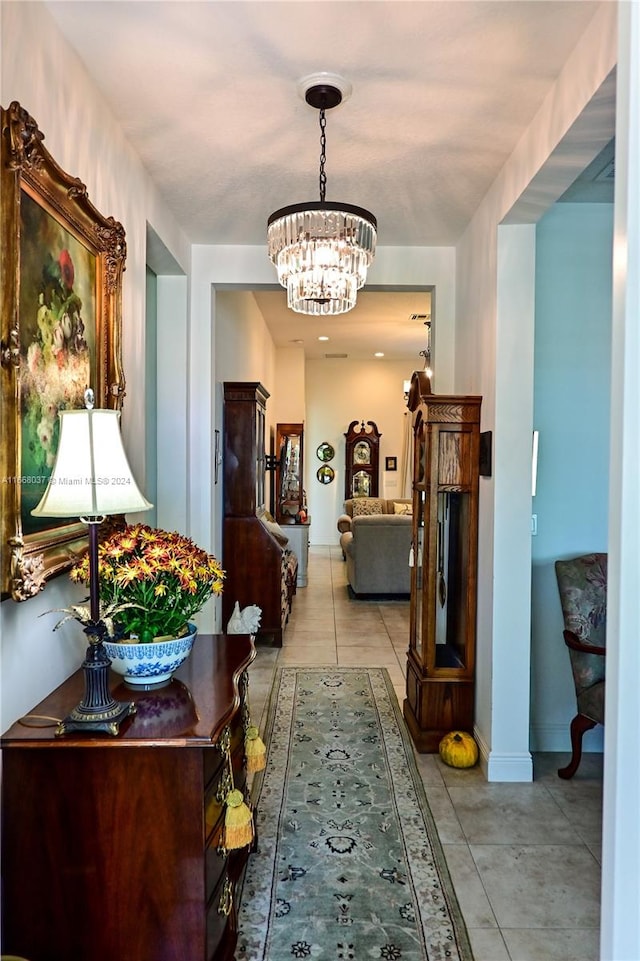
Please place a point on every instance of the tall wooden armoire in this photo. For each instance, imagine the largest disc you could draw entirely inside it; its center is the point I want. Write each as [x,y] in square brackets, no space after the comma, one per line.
[441,656]
[252,554]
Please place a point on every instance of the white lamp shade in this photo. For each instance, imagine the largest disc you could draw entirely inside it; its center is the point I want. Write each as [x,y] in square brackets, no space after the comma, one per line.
[91,476]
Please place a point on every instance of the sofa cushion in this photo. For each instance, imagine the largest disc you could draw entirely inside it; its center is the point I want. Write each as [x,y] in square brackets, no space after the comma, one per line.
[365,506]
[401,507]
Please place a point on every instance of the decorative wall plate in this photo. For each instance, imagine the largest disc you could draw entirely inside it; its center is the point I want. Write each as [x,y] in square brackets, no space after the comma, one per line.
[325,474]
[325,452]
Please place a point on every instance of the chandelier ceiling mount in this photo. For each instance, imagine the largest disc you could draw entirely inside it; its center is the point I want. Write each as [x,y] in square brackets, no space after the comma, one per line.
[322,250]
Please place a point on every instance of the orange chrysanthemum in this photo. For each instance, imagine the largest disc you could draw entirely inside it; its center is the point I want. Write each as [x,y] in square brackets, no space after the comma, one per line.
[163,574]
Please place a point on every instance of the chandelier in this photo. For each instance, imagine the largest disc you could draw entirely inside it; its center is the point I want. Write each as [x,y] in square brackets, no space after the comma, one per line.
[322,250]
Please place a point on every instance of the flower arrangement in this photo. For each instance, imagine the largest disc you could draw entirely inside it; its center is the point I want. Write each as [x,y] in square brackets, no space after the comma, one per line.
[151,582]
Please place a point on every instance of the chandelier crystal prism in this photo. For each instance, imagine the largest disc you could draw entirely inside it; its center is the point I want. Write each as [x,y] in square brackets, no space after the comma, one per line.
[322,250]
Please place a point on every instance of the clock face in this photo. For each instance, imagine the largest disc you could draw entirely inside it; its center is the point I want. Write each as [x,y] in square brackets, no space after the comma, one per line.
[361,453]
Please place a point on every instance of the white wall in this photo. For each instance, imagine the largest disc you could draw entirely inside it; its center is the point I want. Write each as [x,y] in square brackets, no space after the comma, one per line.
[620,920]
[574,123]
[574,244]
[338,392]
[289,401]
[52,84]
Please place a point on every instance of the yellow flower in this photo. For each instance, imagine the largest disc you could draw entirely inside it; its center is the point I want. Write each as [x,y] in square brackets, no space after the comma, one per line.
[158,580]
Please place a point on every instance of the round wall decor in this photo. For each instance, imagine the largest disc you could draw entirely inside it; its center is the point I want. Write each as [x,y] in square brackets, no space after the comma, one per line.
[325,474]
[325,452]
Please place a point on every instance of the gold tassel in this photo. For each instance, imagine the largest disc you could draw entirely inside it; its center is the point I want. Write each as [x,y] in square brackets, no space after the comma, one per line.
[255,750]
[238,821]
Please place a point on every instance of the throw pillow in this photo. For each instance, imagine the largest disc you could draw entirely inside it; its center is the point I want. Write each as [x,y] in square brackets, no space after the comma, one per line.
[366,505]
[402,508]
[276,531]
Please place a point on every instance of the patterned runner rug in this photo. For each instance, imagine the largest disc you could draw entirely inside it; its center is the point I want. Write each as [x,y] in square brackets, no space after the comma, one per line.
[349,866]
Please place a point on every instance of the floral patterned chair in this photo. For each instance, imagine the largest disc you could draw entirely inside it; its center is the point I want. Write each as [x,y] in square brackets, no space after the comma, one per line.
[582,583]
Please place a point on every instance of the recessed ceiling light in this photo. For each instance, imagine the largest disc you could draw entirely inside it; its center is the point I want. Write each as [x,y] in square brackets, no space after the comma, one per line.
[297,341]
[323,338]
[378,353]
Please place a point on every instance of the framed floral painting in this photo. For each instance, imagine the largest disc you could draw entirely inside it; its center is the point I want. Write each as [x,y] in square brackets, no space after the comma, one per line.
[60,309]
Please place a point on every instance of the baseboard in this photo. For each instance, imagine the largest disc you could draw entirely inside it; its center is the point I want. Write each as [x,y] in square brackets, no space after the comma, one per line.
[503,767]
[544,738]
[555,738]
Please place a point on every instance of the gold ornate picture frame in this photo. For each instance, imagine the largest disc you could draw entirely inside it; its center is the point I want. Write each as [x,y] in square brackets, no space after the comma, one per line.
[61,320]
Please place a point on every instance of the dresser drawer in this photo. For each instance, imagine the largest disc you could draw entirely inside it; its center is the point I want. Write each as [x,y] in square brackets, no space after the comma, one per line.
[221,911]
[215,797]
[215,861]
[232,737]
[213,762]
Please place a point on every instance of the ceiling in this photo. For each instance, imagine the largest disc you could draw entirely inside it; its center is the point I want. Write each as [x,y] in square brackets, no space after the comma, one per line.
[205,91]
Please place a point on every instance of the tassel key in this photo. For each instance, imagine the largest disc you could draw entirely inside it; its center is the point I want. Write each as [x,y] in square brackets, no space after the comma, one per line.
[238,821]
[255,750]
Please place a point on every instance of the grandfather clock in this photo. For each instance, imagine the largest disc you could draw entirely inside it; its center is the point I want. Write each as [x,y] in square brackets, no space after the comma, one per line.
[441,656]
[362,451]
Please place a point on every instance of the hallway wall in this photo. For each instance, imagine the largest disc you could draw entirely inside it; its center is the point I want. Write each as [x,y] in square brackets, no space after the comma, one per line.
[574,244]
[494,358]
[52,84]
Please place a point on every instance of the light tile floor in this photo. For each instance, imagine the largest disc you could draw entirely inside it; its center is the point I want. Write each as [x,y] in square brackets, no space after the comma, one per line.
[524,858]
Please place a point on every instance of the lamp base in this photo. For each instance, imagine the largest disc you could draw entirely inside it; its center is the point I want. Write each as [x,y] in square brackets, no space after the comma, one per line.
[98,710]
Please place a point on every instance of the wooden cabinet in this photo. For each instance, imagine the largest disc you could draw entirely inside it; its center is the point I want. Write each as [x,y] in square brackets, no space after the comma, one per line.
[259,568]
[111,846]
[441,657]
[289,480]
[362,455]
[244,458]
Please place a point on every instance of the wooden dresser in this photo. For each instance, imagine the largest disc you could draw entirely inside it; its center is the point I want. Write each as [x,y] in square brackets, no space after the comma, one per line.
[111,845]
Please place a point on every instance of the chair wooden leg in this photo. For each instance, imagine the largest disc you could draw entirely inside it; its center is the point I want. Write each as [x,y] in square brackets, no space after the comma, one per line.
[579,725]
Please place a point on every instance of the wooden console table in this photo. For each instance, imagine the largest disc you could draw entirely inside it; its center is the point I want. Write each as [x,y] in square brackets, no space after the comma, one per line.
[111,845]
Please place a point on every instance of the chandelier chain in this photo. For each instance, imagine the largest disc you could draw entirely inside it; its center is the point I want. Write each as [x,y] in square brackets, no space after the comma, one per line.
[322,251]
[323,155]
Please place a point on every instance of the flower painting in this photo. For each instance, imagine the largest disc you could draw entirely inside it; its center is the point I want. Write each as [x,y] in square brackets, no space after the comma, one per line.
[57,341]
[60,332]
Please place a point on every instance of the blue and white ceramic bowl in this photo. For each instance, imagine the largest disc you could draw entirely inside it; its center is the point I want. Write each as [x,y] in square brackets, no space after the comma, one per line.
[143,665]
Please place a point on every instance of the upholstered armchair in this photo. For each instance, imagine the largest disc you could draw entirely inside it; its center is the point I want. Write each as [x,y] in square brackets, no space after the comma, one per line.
[582,583]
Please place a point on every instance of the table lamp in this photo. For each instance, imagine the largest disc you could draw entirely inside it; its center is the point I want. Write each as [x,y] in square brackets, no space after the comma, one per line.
[92,479]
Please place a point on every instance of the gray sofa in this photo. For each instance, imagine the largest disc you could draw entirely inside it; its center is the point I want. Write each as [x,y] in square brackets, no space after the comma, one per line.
[376,551]
[371,505]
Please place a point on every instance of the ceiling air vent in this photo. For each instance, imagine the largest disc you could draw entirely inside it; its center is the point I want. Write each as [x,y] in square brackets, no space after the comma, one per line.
[336,356]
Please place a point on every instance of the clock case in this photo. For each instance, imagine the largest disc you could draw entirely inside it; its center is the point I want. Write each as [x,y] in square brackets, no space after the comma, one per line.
[362,455]
[441,657]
